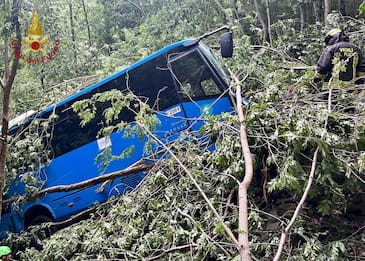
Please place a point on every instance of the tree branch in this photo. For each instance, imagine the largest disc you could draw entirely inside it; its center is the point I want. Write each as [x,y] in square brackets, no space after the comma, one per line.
[137,7]
[245,184]
[136,167]
[201,230]
[210,205]
[286,231]
[221,10]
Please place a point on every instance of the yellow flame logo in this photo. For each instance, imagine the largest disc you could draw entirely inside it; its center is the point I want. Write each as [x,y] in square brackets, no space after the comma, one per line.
[34,43]
[35,40]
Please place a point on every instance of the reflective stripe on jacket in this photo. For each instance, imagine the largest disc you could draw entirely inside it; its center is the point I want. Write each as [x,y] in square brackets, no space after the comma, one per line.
[349,53]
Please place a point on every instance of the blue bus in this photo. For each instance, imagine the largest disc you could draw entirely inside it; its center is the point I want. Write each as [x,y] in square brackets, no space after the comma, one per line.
[183,81]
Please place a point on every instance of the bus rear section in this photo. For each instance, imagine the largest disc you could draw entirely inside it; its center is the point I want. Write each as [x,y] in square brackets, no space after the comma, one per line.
[182,83]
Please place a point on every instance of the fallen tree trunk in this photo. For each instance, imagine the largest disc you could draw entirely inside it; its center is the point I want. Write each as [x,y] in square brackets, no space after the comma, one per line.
[134,168]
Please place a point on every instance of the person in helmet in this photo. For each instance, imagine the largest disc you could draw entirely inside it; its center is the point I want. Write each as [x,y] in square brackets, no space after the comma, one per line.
[338,45]
[5,253]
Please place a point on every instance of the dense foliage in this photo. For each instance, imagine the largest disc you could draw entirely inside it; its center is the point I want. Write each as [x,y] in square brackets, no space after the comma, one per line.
[287,120]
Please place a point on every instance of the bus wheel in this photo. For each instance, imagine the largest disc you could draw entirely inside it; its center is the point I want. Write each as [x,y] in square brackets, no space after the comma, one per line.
[37,220]
[41,233]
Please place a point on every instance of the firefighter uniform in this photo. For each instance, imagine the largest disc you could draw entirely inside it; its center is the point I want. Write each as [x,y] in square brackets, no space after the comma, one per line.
[350,55]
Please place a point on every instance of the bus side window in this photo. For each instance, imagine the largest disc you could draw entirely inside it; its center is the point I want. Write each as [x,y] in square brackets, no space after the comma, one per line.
[152,82]
[67,132]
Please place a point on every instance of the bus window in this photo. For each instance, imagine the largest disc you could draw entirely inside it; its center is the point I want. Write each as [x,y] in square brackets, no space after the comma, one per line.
[159,91]
[194,76]
[67,132]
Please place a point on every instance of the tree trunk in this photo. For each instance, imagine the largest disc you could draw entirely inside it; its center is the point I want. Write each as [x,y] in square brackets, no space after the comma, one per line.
[268,21]
[87,23]
[327,10]
[260,10]
[302,12]
[236,15]
[6,58]
[316,11]
[342,7]
[73,38]
[7,85]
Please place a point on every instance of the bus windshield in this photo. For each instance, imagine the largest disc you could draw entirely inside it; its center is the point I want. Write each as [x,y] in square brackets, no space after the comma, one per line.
[194,76]
[215,62]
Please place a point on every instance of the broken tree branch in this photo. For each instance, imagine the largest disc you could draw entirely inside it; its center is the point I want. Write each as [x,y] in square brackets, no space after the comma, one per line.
[210,205]
[245,184]
[286,231]
[136,167]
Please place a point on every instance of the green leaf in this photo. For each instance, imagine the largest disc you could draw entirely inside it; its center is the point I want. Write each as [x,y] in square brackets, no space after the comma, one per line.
[361,8]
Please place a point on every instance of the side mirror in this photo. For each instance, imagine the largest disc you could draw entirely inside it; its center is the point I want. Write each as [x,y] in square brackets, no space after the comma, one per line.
[226,43]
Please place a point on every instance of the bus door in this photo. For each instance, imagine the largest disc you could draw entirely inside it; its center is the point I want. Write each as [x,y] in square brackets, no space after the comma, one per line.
[202,89]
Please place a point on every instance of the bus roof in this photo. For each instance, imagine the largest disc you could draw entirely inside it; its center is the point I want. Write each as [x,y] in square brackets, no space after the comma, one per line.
[185,42]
